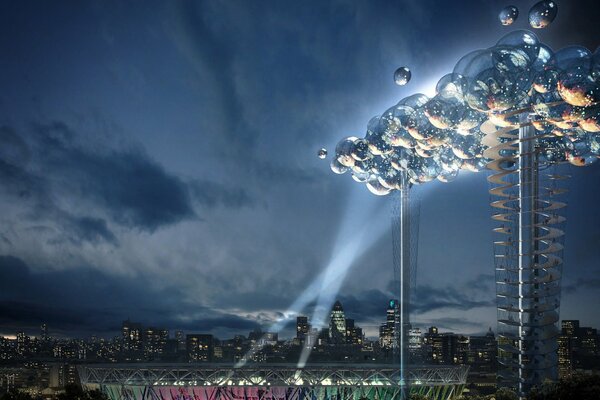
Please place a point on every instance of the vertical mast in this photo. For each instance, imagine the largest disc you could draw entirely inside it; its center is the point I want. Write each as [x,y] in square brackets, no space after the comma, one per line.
[401,236]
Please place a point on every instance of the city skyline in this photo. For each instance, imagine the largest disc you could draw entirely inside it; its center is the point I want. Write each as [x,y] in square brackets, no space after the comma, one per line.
[156,167]
[386,319]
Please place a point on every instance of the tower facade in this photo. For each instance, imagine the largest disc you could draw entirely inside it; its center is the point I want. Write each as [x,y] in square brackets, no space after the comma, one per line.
[528,258]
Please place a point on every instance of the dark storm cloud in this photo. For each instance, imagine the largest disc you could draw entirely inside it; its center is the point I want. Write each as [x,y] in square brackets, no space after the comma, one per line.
[368,305]
[74,309]
[136,191]
[211,194]
[92,230]
[48,163]
[451,297]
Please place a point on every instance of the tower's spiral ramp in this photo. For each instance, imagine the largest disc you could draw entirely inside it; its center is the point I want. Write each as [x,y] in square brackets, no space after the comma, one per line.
[528,248]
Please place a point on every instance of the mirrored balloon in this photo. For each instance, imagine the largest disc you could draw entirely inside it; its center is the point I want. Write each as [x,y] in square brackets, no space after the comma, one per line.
[508,15]
[542,14]
[402,76]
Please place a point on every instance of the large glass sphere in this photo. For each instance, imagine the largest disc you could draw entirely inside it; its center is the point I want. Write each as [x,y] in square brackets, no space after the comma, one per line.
[447,160]
[466,147]
[523,40]
[576,82]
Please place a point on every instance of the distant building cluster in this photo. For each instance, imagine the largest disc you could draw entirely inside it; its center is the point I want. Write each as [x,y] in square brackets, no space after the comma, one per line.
[578,349]
[43,364]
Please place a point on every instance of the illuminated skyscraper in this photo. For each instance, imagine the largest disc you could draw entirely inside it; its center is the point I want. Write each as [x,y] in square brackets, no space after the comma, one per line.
[389,332]
[337,324]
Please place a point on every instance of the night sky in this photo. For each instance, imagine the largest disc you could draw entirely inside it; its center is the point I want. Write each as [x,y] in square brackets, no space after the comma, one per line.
[158,162]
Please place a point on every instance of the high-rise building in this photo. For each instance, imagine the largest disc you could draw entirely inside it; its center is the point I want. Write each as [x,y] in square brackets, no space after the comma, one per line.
[337,324]
[440,348]
[415,345]
[154,342]
[354,334]
[132,336]
[483,352]
[199,347]
[180,338]
[569,327]
[302,327]
[62,375]
[22,343]
[482,363]
[565,356]
[389,337]
[463,345]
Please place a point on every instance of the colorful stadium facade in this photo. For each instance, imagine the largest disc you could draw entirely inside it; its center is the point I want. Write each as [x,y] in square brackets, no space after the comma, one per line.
[270,382]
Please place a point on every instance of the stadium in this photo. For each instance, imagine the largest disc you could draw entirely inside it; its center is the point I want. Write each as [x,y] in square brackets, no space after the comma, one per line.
[270,381]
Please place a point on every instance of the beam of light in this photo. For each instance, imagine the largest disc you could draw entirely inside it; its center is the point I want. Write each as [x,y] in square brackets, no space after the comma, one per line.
[342,260]
[355,236]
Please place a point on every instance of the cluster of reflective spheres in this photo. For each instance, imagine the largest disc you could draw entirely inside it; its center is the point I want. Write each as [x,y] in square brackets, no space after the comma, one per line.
[421,139]
[540,15]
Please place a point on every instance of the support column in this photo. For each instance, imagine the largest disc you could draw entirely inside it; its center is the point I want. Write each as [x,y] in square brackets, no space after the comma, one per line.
[401,236]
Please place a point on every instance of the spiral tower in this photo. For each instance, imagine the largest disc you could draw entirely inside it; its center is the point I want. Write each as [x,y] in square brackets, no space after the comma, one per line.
[520,109]
[528,255]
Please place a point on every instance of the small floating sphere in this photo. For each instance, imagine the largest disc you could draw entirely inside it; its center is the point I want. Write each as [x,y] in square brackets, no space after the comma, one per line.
[542,14]
[508,15]
[322,153]
[402,76]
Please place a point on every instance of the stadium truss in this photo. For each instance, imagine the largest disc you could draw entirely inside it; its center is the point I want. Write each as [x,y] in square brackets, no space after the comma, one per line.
[270,382]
